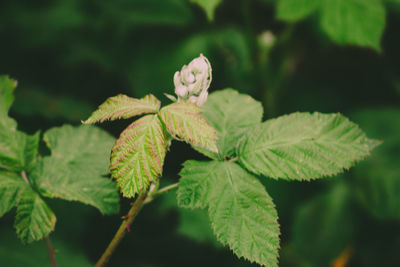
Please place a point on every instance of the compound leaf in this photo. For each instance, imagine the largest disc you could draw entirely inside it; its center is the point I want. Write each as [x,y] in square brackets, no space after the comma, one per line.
[358,22]
[11,186]
[241,212]
[304,146]
[76,168]
[294,10]
[124,107]
[184,120]
[137,157]
[34,219]
[231,113]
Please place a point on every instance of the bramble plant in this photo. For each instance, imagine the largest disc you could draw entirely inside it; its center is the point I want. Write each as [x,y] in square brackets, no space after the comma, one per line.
[225,126]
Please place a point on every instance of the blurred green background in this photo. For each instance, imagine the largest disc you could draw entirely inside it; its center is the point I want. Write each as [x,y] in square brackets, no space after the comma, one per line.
[70,55]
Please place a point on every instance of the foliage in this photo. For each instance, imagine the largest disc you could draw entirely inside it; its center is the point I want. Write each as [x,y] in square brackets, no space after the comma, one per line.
[26,177]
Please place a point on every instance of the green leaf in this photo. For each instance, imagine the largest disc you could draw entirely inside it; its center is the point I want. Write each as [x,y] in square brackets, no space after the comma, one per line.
[325,224]
[184,120]
[241,212]
[76,168]
[7,87]
[358,22]
[231,114]
[294,10]
[11,186]
[304,146]
[124,107]
[137,157]
[34,219]
[208,6]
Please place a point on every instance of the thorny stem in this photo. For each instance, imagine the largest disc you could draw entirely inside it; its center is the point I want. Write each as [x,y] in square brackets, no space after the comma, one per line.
[136,207]
[50,249]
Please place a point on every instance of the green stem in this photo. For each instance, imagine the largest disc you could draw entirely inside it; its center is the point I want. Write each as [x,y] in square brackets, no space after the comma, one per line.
[159,192]
[51,251]
[136,207]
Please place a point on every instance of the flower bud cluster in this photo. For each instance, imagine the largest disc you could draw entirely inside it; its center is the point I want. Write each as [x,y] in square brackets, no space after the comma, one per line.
[192,82]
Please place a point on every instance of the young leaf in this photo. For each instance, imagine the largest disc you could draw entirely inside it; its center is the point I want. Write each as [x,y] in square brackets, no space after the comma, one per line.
[124,107]
[294,10]
[137,157]
[231,113]
[208,6]
[184,120]
[11,186]
[359,22]
[7,87]
[241,212]
[76,168]
[304,146]
[34,219]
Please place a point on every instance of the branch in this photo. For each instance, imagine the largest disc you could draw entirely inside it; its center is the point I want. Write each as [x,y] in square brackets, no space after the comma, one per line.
[125,226]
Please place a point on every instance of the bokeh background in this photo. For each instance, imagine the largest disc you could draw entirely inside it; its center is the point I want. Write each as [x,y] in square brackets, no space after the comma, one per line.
[70,55]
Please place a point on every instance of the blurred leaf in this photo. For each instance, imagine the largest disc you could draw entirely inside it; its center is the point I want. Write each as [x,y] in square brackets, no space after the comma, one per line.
[359,22]
[304,146]
[183,120]
[378,178]
[14,254]
[231,113]
[34,219]
[11,187]
[241,212]
[355,22]
[75,169]
[193,224]
[208,6]
[7,87]
[294,10]
[137,158]
[323,226]
[124,107]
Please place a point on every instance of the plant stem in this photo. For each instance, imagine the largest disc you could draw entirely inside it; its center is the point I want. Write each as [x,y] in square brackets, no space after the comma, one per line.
[51,251]
[136,207]
[160,192]
[25,177]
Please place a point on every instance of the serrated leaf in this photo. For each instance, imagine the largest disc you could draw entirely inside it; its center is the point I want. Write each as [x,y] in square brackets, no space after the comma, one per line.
[124,107]
[231,114]
[183,120]
[304,146]
[34,219]
[137,157]
[7,87]
[76,168]
[358,22]
[11,186]
[241,212]
[294,10]
[208,6]
[325,224]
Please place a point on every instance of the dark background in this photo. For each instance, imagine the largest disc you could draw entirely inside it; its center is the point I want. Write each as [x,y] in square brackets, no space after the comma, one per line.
[70,55]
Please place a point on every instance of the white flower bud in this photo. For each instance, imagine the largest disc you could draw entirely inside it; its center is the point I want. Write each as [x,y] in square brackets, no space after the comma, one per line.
[202,98]
[181,91]
[193,80]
